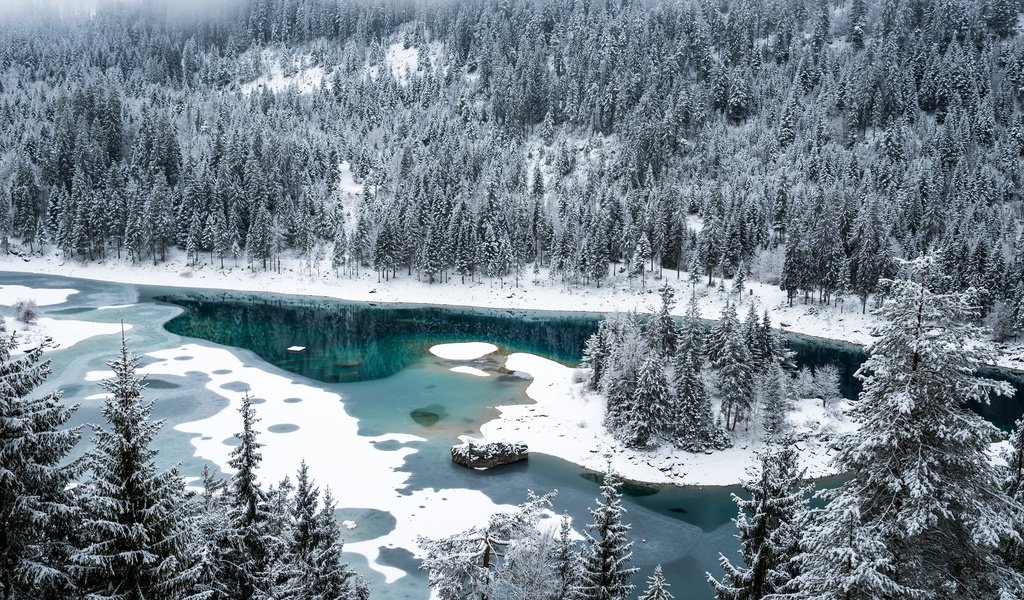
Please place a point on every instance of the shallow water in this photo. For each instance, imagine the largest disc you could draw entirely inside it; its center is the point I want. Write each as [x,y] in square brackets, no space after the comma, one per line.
[376,359]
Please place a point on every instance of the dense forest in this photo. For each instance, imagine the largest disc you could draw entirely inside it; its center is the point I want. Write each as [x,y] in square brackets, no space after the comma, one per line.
[805,142]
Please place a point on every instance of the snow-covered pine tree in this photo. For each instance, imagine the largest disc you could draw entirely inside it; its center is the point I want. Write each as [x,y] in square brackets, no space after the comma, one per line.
[731,360]
[652,406]
[775,399]
[464,565]
[768,527]
[566,562]
[36,508]
[657,587]
[923,513]
[312,566]
[661,328]
[1013,486]
[607,551]
[136,521]
[692,334]
[246,563]
[696,429]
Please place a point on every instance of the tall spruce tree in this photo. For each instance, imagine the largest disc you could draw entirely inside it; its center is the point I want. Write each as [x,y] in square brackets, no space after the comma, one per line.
[768,528]
[695,426]
[652,406]
[137,522]
[923,513]
[37,510]
[247,564]
[605,573]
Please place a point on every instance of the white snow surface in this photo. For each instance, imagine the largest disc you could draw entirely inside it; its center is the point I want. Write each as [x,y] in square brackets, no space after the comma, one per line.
[567,422]
[303,78]
[466,370]
[358,473]
[9,294]
[62,333]
[463,351]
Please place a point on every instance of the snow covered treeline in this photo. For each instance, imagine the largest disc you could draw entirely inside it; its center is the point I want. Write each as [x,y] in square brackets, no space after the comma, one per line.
[113,525]
[690,386]
[926,512]
[806,143]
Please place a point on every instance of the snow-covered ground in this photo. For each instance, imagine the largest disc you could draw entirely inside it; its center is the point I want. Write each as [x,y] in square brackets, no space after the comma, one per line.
[62,333]
[319,431]
[845,322]
[566,421]
[9,294]
[302,77]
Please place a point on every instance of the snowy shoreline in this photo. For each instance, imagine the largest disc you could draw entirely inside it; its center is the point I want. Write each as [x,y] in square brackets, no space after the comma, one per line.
[825,322]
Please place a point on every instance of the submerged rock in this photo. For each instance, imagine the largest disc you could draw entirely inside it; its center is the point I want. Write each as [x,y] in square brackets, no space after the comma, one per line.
[486,456]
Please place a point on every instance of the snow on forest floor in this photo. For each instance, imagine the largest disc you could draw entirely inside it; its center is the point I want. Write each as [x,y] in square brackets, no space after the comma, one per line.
[318,430]
[305,79]
[845,322]
[566,421]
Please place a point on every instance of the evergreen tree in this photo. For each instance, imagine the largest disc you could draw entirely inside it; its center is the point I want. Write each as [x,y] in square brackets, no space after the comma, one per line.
[566,560]
[695,425]
[923,512]
[136,521]
[650,418]
[657,587]
[768,528]
[662,327]
[731,360]
[605,572]
[37,510]
[247,562]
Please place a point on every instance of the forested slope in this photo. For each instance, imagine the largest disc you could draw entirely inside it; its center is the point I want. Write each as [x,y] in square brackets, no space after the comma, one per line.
[807,142]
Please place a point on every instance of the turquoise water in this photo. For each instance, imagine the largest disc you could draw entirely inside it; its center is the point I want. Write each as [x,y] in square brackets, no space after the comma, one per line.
[376,358]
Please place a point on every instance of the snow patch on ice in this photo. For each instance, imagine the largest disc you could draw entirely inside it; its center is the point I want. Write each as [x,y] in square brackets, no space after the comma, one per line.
[62,333]
[9,294]
[463,351]
[470,371]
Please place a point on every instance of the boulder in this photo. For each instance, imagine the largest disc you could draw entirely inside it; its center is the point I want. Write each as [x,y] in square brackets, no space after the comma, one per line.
[486,456]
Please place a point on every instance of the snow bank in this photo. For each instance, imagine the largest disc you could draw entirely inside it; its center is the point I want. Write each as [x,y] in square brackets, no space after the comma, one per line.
[463,351]
[567,422]
[63,333]
[9,294]
[359,474]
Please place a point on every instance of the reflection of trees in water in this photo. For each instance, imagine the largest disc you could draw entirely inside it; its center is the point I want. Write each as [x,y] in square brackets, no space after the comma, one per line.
[350,342]
[356,342]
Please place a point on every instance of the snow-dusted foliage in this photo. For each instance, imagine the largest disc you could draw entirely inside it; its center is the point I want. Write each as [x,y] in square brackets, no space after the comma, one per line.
[769,528]
[657,587]
[511,556]
[38,513]
[596,143]
[605,571]
[136,524]
[923,514]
